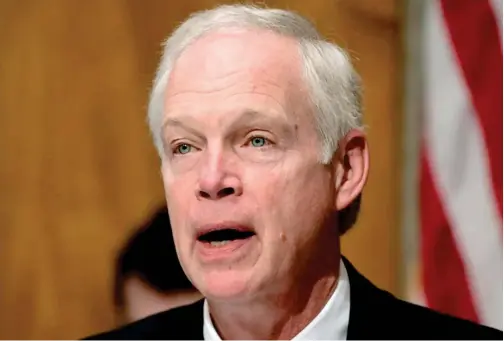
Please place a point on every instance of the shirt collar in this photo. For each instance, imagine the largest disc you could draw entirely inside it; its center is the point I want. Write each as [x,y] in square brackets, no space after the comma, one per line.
[331,323]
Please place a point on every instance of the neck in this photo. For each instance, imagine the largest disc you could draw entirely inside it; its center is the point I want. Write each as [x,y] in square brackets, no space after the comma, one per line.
[282,314]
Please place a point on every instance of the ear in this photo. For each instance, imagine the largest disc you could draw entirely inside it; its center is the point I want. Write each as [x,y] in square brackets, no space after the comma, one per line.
[351,169]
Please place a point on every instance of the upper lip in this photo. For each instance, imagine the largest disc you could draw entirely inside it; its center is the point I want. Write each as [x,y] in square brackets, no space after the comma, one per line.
[207,228]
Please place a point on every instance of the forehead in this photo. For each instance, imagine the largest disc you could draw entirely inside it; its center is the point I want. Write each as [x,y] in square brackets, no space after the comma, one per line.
[238,61]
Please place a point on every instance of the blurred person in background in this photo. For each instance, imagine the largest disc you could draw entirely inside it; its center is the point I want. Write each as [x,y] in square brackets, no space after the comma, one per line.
[258,123]
[148,276]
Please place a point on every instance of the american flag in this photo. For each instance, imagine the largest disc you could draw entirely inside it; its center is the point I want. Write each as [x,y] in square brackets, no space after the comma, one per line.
[461,159]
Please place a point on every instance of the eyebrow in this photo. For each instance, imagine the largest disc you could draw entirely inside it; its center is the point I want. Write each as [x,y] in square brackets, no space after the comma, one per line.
[176,123]
[249,117]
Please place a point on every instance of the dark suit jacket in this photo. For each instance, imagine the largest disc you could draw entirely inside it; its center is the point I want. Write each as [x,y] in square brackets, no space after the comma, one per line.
[374,314]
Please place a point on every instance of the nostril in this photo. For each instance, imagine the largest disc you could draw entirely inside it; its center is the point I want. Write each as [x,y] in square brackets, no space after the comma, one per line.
[222,193]
[225,192]
[204,194]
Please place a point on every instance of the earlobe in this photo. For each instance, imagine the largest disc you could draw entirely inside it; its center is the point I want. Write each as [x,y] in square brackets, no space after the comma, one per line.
[352,170]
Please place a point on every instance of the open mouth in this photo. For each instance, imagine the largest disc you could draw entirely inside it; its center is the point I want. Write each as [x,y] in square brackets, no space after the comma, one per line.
[225,236]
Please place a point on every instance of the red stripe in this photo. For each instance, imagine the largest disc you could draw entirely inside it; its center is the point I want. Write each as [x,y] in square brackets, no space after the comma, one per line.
[443,275]
[474,34]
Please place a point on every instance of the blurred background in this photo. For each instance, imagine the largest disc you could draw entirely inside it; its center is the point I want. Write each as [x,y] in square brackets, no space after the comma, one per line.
[78,170]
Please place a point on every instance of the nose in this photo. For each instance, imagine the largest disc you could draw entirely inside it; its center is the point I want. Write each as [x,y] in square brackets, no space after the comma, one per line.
[218,180]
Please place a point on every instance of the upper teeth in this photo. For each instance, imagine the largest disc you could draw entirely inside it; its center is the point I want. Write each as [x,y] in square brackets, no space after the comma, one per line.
[219,243]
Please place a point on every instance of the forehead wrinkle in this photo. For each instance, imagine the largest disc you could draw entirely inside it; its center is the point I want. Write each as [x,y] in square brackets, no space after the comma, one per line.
[265,62]
[247,117]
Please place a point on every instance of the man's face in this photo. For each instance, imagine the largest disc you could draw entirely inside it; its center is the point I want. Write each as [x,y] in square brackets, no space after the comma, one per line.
[241,155]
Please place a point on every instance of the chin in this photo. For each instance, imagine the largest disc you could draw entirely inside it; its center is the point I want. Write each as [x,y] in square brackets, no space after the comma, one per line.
[226,284]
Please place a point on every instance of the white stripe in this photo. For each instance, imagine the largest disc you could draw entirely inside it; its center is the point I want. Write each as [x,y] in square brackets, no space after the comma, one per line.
[497,10]
[417,296]
[414,290]
[458,158]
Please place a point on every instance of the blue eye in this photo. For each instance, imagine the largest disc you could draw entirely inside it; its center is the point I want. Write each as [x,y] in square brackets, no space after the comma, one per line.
[258,141]
[182,148]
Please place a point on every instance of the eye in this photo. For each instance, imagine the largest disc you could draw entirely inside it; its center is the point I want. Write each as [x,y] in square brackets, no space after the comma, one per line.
[182,148]
[258,141]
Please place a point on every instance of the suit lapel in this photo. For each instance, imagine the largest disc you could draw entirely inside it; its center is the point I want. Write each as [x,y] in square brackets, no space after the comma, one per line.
[368,318]
[184,323]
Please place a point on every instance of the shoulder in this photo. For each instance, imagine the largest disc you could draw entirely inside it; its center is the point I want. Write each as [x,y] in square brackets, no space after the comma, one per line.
[377,314]
[427,324]
[184,323]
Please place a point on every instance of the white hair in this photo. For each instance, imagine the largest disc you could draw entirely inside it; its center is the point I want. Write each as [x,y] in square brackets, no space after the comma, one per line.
[333,84]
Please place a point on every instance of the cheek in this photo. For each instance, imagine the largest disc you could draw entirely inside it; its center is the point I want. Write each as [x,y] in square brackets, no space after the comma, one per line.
[177,187]
[266,182]
[276,191]
[298,195]
[179,194]
[182,164]
[285,181]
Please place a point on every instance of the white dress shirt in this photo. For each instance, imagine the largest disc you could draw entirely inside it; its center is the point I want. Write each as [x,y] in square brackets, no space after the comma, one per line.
[330,324]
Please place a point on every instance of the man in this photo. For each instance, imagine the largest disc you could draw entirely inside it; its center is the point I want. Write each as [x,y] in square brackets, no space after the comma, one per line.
[258,124]
[148,275]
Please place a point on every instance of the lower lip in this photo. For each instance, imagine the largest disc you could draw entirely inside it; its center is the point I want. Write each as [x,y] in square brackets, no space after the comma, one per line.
[230,250]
